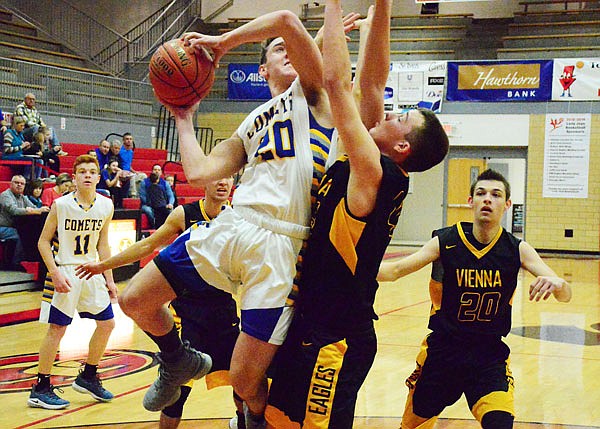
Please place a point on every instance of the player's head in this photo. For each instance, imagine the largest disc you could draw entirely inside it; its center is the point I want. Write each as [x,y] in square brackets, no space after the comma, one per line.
[86,172]
[490,196]
[219,190]
[415,139]
[275,65]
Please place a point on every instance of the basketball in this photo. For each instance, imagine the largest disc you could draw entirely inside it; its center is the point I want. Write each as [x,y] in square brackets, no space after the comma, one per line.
[180,75]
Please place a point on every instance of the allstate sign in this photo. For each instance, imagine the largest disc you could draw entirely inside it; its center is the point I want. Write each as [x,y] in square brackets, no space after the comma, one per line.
[245,83]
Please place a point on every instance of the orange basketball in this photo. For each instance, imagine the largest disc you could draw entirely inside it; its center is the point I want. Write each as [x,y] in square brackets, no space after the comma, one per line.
[180,75]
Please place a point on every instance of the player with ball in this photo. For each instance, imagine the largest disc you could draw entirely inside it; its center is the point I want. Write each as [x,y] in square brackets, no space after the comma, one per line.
[251,249]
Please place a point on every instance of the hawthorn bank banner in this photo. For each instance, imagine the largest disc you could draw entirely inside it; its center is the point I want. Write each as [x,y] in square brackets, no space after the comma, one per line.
[496,81]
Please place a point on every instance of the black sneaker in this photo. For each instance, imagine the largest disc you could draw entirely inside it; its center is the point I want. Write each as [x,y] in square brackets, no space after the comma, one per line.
[93,387]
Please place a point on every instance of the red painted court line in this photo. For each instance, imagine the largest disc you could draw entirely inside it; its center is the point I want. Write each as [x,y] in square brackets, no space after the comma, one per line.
[83,407]
[19,317]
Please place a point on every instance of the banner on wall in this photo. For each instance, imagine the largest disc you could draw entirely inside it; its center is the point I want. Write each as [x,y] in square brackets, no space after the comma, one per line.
[245,83]
[496,81]
[576,79]
[414,84]
[567,155]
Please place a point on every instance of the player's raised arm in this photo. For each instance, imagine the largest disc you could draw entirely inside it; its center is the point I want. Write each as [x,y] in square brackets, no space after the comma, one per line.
[392,270]
[373,66]
[301,48]
[547,281]
[364,156]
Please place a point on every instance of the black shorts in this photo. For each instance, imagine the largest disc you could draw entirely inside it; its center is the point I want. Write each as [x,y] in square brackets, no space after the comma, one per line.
[446,369]
[316,378]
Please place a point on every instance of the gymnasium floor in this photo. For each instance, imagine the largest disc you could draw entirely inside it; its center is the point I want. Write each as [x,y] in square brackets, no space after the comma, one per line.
[555,360]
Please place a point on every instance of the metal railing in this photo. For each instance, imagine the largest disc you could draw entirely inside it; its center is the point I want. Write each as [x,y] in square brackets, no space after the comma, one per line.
[63,21]
[66,92]
[122,54]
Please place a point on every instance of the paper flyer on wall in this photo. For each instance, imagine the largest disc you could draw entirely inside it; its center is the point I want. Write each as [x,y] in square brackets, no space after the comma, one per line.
[567,155]
[414,84]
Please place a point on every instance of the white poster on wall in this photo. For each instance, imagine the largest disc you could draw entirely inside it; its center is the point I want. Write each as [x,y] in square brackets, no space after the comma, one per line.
[417,84]
[567,155]
[576,79]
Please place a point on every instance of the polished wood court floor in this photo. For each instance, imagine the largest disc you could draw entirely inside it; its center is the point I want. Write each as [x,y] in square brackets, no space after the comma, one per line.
[555,360]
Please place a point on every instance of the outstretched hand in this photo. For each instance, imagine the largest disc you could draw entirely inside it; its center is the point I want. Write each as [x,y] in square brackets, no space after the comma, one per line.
[182,113]
[349,22]
[204,43]
[89,269]
[543,286]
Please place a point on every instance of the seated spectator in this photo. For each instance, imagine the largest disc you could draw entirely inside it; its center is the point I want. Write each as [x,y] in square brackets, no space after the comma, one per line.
[13,203]
[157,197]
[126,154]
[33,191]
[110,180]
[3,126]
[14,145]
[33,121]
[103,153]
[170,179]
[92,152]
[63,183]
[35,150]
[50,153]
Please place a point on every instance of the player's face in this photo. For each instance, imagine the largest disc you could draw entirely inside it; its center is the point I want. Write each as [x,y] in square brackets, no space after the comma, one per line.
[489,201]
[219,189]
[278,65]
[392,130]
[86,176]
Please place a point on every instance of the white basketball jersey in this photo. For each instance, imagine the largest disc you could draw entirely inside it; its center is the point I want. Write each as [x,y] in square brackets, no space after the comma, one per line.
[79,229]
[277,178]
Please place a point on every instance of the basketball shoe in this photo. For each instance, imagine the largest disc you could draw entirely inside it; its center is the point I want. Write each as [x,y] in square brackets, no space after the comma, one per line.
[46,398]
[93,387]
[165,389]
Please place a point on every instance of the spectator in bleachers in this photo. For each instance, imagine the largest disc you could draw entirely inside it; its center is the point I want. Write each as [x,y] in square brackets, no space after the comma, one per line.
[14,144]
[51,153]
[92,152]
[157,197]
[125,176]
[33,120]
[13,203]
[35,150]
[103,153]
[33,191]
[170,179]
[3,126]
[63,183]
[110,180]
[126,154]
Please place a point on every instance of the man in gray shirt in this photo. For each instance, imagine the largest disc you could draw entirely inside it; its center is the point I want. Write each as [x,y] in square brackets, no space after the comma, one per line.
[14,203]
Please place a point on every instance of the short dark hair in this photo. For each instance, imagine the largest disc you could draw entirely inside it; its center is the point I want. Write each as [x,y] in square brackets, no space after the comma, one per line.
[428,143]
[490,174]
[264,47]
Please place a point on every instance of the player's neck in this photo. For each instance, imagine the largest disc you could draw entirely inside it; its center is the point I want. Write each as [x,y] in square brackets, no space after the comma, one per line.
[212,207]
[85,197]
[484,232]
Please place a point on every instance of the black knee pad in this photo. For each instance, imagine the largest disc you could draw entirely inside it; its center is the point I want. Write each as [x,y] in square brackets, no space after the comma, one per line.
[176,410]
[497,420]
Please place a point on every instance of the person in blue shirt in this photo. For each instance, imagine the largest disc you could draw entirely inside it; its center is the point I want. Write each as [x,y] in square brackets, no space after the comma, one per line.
[103,154]
[33,191]
[126,154]
[147,195]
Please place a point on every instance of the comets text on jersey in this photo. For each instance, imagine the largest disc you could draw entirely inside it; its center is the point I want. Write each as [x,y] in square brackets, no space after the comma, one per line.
[87,224]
